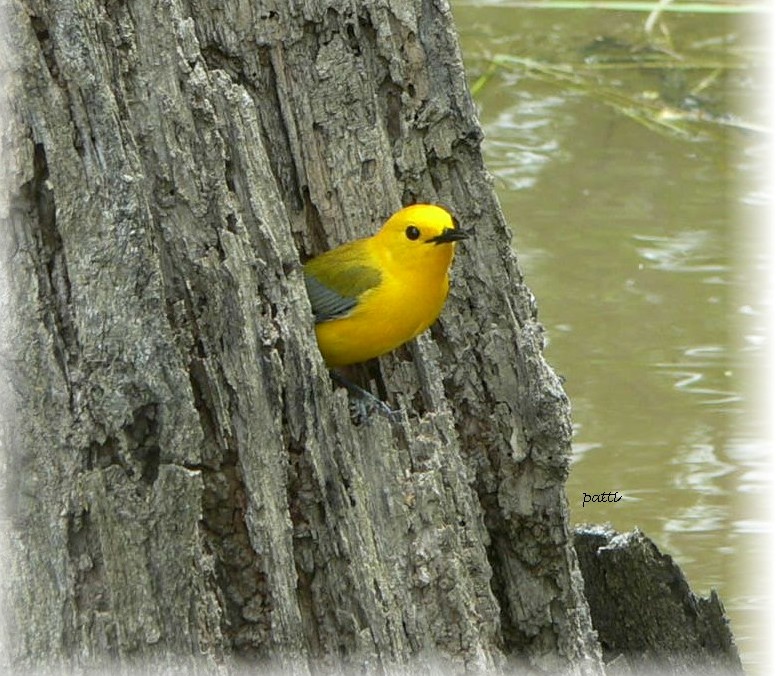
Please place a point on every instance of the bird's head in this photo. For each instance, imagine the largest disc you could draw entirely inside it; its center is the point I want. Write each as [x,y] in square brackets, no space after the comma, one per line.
[420,235]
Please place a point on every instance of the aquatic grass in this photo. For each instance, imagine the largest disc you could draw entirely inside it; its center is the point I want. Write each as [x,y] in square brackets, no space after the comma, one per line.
[589,76]
[645,108]
[646,111]
[631,6]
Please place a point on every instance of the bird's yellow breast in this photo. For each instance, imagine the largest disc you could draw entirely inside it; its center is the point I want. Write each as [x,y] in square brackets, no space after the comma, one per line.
[398,309]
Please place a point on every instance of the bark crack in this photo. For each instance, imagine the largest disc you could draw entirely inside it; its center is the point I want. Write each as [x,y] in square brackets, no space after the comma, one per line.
[54,291]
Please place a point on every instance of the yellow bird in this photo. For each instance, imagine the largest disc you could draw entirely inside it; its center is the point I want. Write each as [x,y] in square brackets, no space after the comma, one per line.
[373,294]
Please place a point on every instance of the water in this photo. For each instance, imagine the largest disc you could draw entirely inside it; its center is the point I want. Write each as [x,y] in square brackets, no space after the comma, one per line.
[642,250]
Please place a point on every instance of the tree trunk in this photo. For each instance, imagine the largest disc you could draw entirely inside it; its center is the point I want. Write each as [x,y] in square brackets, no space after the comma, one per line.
[185,485]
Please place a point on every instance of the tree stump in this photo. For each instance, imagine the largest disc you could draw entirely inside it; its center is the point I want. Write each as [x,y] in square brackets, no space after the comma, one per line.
[647,618]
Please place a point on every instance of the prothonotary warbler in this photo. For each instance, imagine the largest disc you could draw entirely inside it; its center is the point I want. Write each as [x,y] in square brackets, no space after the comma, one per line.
[371,295]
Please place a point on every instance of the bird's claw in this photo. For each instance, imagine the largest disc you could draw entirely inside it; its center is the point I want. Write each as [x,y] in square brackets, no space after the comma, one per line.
[363,403]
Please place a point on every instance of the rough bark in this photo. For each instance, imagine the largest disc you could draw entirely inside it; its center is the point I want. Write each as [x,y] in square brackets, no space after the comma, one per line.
[647,618]
[185,484]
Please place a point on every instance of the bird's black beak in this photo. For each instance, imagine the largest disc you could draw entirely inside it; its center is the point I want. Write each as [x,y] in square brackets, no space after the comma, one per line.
[449,235]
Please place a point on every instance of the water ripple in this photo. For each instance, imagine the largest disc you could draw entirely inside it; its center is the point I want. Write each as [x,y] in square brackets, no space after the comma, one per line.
[686,251]
[700,363]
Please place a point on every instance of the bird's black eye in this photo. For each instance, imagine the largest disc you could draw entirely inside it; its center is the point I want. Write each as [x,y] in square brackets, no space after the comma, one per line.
[412,232]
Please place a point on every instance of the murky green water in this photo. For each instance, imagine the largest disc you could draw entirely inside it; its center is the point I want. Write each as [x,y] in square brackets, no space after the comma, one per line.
[640,248]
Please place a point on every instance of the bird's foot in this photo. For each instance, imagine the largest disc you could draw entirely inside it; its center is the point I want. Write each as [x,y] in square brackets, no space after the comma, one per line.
[363,403]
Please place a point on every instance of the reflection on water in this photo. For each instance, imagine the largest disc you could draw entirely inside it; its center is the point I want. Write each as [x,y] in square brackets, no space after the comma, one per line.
[520,152]
[698,469]
[684,251]
[696,368]
[630,242]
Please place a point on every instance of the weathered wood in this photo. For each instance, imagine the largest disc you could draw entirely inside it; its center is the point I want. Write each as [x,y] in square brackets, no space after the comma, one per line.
[647,618]
[187,488]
